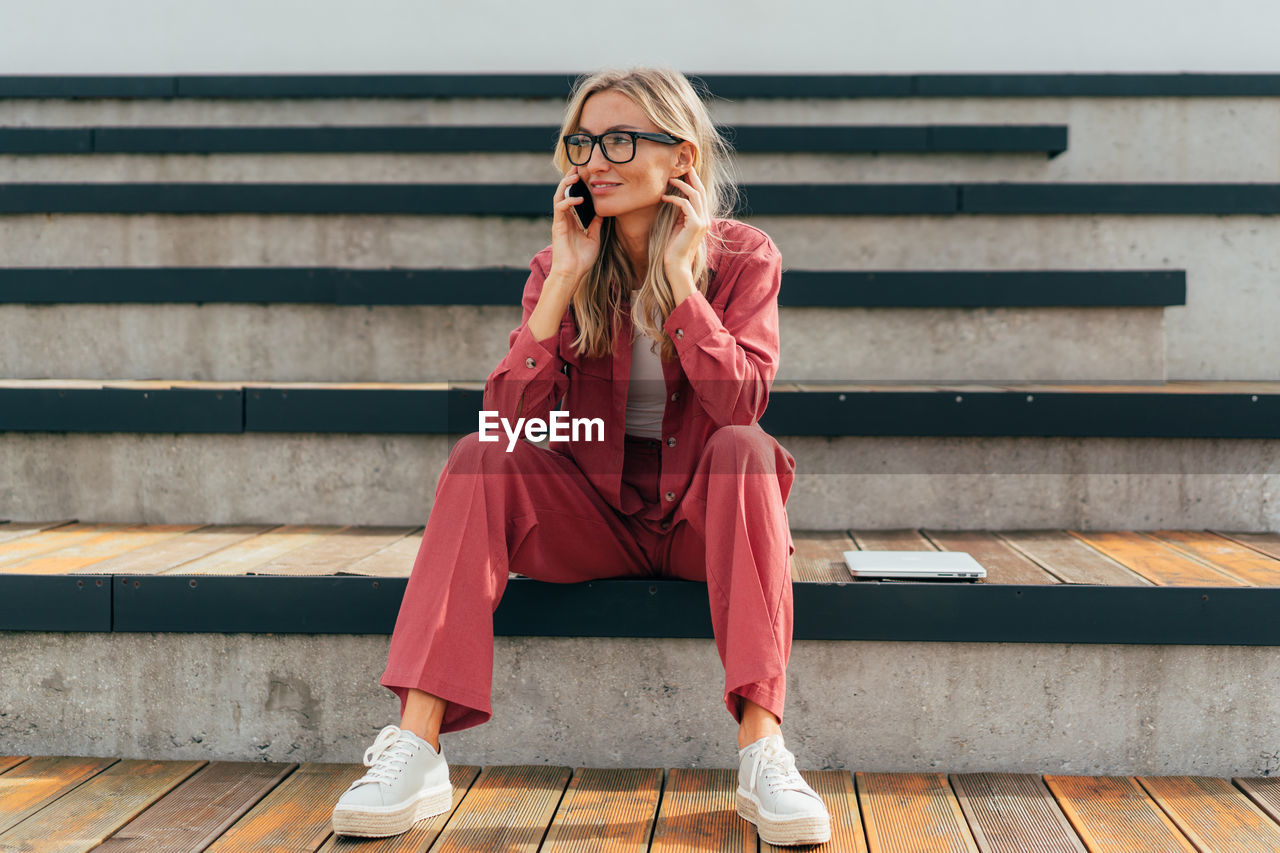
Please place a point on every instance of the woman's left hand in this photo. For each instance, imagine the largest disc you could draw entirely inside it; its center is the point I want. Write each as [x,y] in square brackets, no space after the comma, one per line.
[692,223]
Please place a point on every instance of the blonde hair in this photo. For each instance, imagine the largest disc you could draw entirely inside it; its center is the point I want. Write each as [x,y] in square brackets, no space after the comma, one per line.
[670,101]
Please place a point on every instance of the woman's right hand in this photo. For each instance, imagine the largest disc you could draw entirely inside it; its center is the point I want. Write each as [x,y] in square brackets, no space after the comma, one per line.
[573,250]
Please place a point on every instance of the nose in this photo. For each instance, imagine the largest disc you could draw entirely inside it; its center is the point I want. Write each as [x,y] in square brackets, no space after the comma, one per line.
[597,161]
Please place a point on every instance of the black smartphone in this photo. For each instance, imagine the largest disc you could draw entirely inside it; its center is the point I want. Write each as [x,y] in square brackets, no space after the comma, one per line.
[587,210]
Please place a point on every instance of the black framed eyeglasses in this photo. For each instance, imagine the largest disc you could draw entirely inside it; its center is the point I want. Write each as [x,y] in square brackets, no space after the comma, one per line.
[619,146]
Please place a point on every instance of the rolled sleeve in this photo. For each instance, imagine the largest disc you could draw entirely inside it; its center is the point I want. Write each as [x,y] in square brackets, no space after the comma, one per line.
[693,319]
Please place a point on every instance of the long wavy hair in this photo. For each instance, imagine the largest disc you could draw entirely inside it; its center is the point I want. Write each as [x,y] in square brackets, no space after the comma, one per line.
[670,101]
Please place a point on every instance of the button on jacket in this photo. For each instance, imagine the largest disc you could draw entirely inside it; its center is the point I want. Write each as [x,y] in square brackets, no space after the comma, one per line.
[727,343]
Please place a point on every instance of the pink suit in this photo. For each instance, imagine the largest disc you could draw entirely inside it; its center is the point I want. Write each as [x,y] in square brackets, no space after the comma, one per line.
[707,502]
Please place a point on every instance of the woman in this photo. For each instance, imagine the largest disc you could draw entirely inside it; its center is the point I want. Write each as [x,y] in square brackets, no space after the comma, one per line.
[661,320]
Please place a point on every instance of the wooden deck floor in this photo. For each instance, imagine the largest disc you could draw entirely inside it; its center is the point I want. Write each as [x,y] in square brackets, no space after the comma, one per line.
[63,804]
[1113,558]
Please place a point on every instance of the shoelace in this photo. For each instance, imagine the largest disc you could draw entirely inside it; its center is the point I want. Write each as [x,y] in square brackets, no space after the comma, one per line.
[780,772]
[386,758]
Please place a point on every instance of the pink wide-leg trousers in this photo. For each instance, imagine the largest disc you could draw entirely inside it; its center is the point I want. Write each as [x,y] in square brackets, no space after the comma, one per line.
[532,511]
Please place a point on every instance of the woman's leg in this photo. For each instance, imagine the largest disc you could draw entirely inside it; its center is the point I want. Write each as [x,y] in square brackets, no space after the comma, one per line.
[423,713]
[731,530]
[494,512]
[757,722]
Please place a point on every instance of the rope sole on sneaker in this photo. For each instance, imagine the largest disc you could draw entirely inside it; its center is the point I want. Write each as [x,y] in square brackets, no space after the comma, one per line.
[381,821]
[775,829]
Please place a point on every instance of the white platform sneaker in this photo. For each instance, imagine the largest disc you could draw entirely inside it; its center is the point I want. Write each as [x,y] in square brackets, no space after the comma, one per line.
[774,796]
[407,781]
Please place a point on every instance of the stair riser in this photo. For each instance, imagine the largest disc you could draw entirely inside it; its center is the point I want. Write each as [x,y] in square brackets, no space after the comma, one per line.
[1226,331]
[326,343]
[527,168]
[890,706]
[1111,138]
[851,482]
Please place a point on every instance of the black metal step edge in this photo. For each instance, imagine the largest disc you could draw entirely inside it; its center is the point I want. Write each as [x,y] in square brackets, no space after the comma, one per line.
[809,412]
[1042,139]
[557,86]
[663,608]
[504,286]
[533,200]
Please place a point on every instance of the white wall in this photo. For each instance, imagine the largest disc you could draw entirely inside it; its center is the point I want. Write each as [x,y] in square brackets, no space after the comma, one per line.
[859,36]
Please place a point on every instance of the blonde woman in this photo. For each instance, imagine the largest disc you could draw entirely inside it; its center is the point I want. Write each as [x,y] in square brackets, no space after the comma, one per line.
[659,319]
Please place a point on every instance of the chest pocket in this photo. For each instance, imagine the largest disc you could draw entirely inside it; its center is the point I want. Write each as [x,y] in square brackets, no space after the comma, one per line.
[598,367]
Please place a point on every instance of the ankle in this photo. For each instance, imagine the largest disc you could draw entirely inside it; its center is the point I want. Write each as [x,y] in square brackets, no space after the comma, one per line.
[422,732]
[749,735]
[423,714]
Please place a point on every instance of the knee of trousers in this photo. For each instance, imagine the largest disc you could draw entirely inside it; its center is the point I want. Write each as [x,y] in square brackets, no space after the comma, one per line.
[750,449]
[470,455]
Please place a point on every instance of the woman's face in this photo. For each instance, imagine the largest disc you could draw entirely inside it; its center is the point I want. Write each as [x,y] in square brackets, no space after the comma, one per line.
[620,188]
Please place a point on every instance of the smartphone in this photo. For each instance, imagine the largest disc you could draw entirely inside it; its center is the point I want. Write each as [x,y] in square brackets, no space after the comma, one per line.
[587,210]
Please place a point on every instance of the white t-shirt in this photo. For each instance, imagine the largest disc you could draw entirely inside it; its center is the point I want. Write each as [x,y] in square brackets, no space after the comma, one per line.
[647,389]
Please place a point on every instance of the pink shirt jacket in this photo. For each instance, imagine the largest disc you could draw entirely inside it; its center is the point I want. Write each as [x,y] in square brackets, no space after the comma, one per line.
[727,343]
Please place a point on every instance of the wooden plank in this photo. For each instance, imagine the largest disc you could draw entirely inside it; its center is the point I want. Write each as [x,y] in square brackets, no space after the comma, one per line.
[1070,559]
[394,561]
[1155,386]
[82,556]
[699,814]
[1154,560]
[33,784]
[838,792]
[819,556]
[51,383]
[20,529]
[245,556]
[424,832]
[335,553]
[611,810]
[914,812]
[51,540]
[1230,558]
[891,540]
[838,385]
[1013,813]
[1112,814]
[8,762]
[1226,386]
[1003,563]
[434,385]
[172,554]
[295,816]
[507,809]
[196,812]
[1263,543]
[81,819]
[1213,814]
[1265,792]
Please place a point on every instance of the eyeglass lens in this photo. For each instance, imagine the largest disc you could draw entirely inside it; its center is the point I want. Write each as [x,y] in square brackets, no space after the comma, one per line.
[618,147]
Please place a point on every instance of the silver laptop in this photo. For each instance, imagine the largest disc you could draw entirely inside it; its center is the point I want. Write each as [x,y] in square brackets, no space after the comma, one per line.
[914,565]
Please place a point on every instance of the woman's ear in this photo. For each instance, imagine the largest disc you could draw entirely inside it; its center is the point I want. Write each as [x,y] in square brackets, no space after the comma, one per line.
[684,159]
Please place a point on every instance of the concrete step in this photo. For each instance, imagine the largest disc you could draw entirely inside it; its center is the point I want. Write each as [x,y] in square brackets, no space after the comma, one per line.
[1112,138]
[852,481]
[920,706]
[1223,332]
[185,667]
[512,168]
[312,342]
